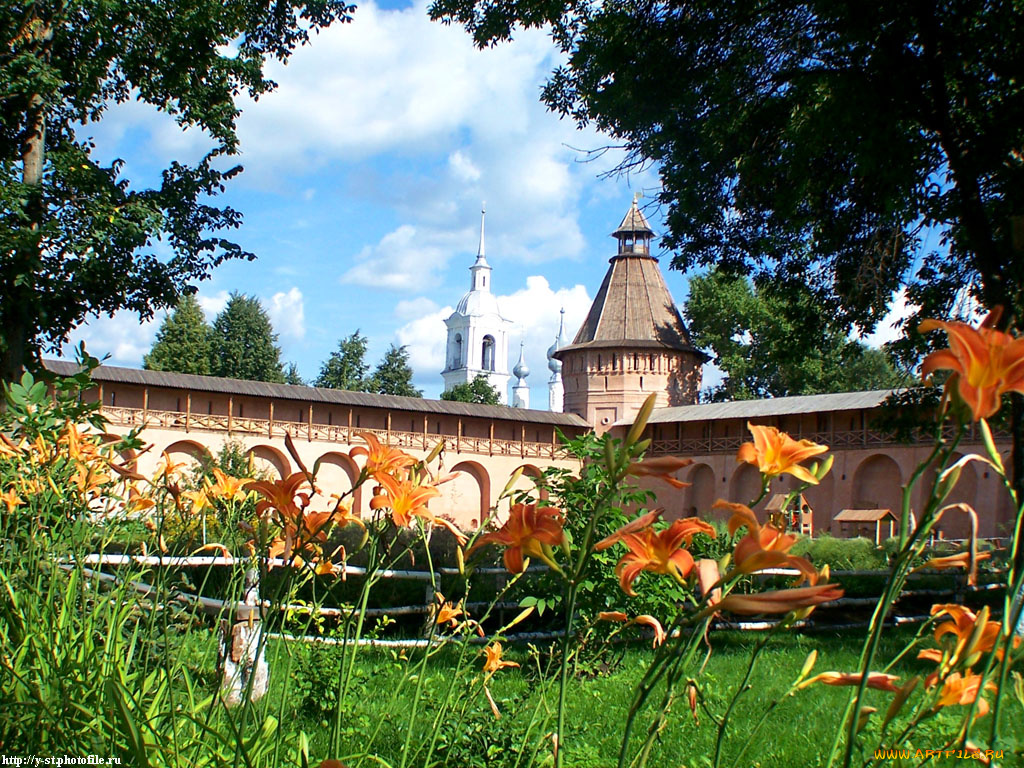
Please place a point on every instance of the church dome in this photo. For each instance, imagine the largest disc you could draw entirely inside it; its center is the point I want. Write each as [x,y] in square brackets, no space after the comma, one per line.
[477,304]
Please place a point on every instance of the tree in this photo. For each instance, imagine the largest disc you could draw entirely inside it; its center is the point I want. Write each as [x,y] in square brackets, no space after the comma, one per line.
[76,237]
[770,345]
[479,390]
[813,143]
[346,368]
[183,343]
[244,343]
[809,142]
[393,376]
[291,376]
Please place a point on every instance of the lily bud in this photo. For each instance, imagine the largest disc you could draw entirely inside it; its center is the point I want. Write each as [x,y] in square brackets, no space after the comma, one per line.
[641,420]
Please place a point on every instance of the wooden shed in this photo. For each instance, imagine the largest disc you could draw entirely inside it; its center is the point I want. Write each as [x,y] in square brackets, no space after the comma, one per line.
[799,518]
[862,522]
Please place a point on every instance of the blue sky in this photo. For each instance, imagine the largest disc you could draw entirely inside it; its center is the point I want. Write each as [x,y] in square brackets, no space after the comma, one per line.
[364,175]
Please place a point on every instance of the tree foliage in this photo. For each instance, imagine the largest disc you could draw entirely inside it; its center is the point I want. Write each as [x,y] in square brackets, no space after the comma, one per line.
[347,368]
[770,344]
[244,343]
[813,143]
[76,237]
[479,390]
[292,376]
[183,343]
[393,375]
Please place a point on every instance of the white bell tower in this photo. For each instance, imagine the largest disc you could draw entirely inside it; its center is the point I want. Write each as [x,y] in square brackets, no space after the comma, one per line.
[477,333]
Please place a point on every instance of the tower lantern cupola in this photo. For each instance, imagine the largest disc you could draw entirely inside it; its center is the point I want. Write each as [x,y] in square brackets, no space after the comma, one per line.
[634,233]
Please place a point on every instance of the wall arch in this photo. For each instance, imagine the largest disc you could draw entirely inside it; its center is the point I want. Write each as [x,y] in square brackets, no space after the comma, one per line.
[701,493]
[468,496]
[269,459]
[187,451]
[745,485]
[337,473]
[877,484]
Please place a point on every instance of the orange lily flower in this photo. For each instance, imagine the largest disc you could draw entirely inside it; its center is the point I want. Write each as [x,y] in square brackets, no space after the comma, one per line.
[775,453]
[986,363]
[530,531]
[404,498]
[778,601]
[963,690]
[11,500]
[167,469]
[645,619]
[281,494]
[446,612]
[226,488]
[633,526]
[974,635]
[381,460]
[494,662]
[878,680]
[659,552]
[959,560]
[763,546]
[661,467]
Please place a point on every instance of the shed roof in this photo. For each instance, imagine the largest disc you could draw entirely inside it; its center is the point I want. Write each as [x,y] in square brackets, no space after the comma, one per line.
[118,375]
[775,406]
[775,503]
[863,515]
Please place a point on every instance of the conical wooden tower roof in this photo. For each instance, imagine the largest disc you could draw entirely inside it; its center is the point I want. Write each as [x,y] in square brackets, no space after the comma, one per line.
[633,307]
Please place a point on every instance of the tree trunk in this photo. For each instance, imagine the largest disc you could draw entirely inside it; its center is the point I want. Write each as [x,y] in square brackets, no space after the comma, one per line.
[15,342]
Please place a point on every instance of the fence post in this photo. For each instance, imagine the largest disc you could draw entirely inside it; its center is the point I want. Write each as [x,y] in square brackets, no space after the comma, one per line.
[245,674]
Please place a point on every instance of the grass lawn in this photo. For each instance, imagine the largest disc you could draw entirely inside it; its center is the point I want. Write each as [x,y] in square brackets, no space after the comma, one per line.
[799,731]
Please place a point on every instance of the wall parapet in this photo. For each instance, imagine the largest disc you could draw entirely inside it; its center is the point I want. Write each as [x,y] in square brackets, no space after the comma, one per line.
[845,439]
[324,433]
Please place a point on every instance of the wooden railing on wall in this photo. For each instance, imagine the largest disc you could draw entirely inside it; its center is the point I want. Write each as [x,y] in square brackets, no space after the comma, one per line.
[323,433]
[850,439]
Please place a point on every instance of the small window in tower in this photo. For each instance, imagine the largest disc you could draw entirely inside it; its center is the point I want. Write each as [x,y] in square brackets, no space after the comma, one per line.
[485,281]
[606,382]
[113,398]
[599,362]
[641,383]
[456,361]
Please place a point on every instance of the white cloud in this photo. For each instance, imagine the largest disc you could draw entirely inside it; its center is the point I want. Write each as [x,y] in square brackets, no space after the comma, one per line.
[406,259]
[462,167]
[425,336]
[889,328]
[287,313]
[213,305]
[409,309]
[121,336]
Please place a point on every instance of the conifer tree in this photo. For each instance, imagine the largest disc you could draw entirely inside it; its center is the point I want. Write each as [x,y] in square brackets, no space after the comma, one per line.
[183,342]
[291,375]
[346,368]
[244,343]
[393,376]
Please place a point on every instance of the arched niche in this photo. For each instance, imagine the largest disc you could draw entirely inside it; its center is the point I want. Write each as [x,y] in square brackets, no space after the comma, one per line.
[188,451]
[268,459]
[877,484]
[336,474]
[466,499]
[745,485]
[701,493]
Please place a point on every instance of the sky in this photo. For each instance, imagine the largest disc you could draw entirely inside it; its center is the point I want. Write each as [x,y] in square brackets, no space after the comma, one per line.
[365,173]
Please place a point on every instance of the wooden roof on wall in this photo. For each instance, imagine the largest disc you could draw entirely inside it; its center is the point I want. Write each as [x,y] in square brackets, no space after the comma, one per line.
[216,384]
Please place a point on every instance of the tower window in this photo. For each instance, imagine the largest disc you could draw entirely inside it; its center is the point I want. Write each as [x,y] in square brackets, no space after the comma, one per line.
[456,361]
[487,353]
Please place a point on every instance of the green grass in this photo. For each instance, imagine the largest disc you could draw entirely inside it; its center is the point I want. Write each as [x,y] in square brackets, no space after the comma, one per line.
[798,733]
